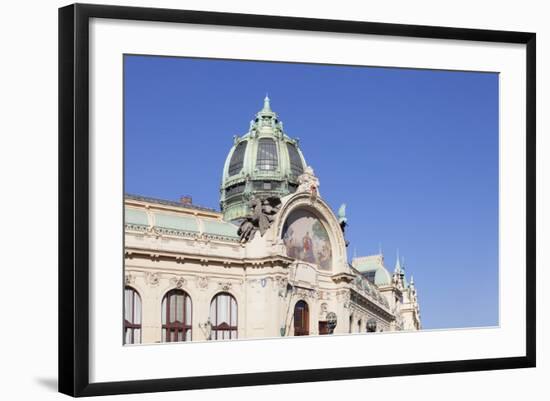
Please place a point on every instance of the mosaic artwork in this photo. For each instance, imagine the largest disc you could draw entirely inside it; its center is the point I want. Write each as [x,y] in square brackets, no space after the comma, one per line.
[306,239]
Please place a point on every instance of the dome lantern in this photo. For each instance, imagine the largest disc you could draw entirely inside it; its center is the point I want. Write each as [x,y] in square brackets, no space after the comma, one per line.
[263,162]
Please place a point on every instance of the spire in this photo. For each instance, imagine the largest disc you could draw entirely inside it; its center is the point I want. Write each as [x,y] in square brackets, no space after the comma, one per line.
[412,281]
[397,264]
[267,106]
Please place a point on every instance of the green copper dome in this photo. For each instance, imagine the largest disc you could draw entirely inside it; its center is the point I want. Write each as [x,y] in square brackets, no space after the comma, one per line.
[263,162]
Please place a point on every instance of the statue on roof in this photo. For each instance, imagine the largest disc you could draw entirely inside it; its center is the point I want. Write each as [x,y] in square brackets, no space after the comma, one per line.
[308,182]
[261,216]
[342,220]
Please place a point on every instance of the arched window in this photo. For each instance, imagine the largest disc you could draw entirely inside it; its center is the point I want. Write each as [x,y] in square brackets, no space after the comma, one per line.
[223,316]
[176,316]
[301,319]
[296,166]
[359,326]
[132,316]
[237,159]
[266,158]
[371,325]
[350,323]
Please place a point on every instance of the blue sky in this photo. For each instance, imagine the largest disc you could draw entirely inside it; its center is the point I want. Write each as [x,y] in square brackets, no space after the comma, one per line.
[413,154]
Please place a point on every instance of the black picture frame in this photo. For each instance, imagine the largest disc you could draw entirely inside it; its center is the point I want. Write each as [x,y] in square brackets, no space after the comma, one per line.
[74,198]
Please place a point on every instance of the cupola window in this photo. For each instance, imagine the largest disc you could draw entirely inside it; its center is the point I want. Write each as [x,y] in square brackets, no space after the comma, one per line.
[267,154]
[296,166]
[237,160]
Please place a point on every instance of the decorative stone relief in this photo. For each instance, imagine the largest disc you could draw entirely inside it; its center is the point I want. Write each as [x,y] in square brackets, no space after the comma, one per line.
[281,282]
[129,279]
[308,182]
[225,286]
[152,279]
[345,299]
[305,293]
[202,283]
[179,282]
[323,310]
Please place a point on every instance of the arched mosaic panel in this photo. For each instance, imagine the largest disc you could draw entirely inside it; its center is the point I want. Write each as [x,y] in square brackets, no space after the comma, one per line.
[306,239]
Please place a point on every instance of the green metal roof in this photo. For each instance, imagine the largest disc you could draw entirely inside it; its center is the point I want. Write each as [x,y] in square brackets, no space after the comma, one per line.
[382,277]
[374,264]
[220,228]
[185,223]
[135,216]
[268,164]
[167,202]
[174,222]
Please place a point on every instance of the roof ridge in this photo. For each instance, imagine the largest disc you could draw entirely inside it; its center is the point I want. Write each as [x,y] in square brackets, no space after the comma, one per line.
[168,202]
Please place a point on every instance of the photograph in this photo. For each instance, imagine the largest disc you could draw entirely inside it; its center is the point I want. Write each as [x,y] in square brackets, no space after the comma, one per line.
[268,199]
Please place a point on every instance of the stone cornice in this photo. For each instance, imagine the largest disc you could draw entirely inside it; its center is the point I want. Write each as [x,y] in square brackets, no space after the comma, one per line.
[368,304]
[178,257]
[343,277]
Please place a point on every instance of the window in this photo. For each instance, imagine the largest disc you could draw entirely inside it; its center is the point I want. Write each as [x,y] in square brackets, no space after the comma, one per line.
[350,323]
[370,275]
[237,159]
[301,319]
[295,160]
[235,189]
[267,154]
[223,316]
[266,185]
[371,326]
[359,326]
[132,316]
[176,316]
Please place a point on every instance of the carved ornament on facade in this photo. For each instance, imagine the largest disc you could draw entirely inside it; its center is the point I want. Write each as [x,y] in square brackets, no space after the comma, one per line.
[225,286]
[202,282]
[129,279]
[308,182]
[324,295]
[178,282]
[323,310]
[346,299]
[282,282]
[152,279]
[305,293]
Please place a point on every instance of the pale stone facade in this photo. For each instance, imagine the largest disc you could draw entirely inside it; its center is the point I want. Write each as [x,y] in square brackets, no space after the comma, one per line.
[265,283]
[178,248]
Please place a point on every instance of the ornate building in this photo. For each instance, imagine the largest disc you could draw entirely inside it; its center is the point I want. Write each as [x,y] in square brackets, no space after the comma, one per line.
[272,263]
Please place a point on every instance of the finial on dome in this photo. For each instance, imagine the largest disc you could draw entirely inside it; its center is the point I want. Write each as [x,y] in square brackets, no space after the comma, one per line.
[267,106]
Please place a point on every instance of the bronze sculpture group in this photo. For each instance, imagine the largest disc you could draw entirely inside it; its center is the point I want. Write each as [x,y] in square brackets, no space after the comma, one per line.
[262,214]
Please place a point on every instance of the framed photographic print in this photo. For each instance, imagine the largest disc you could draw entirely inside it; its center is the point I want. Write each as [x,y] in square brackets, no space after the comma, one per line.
[251,199]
